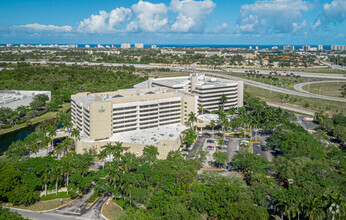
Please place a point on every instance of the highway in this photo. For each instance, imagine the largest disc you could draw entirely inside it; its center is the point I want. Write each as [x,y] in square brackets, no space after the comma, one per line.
[275,88]
[249,82]
[192,68]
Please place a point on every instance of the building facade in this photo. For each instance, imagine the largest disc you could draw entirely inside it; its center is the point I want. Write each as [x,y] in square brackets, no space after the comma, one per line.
[125,46]
[101,115]
[139,45]
[209,90]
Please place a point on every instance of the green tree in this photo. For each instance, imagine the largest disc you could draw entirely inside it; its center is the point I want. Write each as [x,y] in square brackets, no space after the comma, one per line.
[191,119]
[150,153]
[220,158]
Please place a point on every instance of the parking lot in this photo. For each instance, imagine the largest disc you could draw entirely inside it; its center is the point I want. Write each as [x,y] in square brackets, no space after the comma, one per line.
[231,147]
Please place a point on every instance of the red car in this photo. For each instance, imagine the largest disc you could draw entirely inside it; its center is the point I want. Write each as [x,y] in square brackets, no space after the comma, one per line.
[210,147]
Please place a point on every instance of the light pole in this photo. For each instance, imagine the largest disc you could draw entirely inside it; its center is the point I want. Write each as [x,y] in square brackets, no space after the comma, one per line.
[319,92]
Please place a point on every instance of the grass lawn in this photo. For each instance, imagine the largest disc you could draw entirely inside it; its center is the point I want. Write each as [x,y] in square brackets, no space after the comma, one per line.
[36,120]
[169,74]
[112,211]
[42,205]
[327,89]
[312,103]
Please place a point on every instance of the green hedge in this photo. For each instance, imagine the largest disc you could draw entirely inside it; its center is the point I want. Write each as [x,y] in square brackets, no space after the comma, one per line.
[54,196]
[7,126]
[42,113]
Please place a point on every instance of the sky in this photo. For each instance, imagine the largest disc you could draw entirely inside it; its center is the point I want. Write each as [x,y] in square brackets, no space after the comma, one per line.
[257,22]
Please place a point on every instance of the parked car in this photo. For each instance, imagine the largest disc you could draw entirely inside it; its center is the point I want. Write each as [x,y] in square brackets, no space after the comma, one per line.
[210,147]
[258,154]
[264,148]
[210,141]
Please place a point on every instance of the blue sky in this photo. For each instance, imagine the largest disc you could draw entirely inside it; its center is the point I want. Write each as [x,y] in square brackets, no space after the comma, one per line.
[174,21]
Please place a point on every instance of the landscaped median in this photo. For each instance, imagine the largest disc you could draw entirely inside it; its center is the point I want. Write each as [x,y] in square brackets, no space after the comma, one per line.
[47,203]
[110,210]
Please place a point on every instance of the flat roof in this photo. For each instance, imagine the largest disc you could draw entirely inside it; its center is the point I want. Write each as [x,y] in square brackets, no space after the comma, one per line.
[151,136]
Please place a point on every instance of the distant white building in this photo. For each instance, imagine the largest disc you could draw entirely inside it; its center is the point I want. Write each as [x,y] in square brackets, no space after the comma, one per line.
[320,47]
[275,48]
[139,45]
[250,48]
[125,46]
[256,47]
[14,98]
[87,46]
[306,48]
[173,52]
[288,48]
[153,47]
[338,47]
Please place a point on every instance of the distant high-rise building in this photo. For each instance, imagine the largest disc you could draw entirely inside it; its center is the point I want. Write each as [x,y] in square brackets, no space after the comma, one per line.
[125,46]
[87,46]
[275,48]
[338,47]
[250,48]
[9,45]
[139,45]
[256,47]
[153,47]
[320,47]
[306,48]
[288,48]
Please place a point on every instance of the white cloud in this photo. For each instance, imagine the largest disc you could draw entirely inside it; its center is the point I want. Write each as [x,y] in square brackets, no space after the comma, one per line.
[42,27]
[278,16]
[335,11]
[316,24]
[104,22]
[118,16]
[149,17]
[191,14]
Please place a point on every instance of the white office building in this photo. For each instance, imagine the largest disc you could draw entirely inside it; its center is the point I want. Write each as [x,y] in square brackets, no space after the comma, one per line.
[208,89]
[125,46]
[139,45]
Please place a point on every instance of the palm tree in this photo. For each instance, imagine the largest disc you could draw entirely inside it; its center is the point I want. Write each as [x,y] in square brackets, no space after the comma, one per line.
[56,175]
[314,209]
[51,133]
[68,166]
[192,118]
[201,108]
[212,125]
[75,133]
[46,178]
[232,111]
[66,145]
[115,150]
[58,149]
[223,100]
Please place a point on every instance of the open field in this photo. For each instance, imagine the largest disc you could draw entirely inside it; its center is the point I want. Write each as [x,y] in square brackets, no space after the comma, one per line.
[42,205]
[327,89]
[48,115]
[169,74]
[312,103]
[112,211]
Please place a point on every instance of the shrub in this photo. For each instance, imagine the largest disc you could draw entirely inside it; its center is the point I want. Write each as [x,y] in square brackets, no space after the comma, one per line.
[54,196]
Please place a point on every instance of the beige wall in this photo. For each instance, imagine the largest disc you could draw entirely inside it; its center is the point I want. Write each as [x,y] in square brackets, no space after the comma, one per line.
[189,104]
[164,146]
[240,94]
[100,120]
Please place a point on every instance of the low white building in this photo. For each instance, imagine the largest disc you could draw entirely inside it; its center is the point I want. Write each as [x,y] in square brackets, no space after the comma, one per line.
[14,98]
[139,45]
[125,46]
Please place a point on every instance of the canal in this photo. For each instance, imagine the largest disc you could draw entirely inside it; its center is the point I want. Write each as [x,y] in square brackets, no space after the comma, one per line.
[7,139]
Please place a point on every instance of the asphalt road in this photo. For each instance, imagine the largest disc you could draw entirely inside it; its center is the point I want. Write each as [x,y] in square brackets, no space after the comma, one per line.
[192,68]
[299,87]
[75,210]
[276,89]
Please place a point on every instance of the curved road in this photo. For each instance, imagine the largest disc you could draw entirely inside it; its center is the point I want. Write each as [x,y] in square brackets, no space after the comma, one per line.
[277,89]
[300,86]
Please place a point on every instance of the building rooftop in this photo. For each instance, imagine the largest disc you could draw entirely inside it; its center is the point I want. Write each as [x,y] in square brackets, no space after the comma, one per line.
[128,95]
[151,136]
